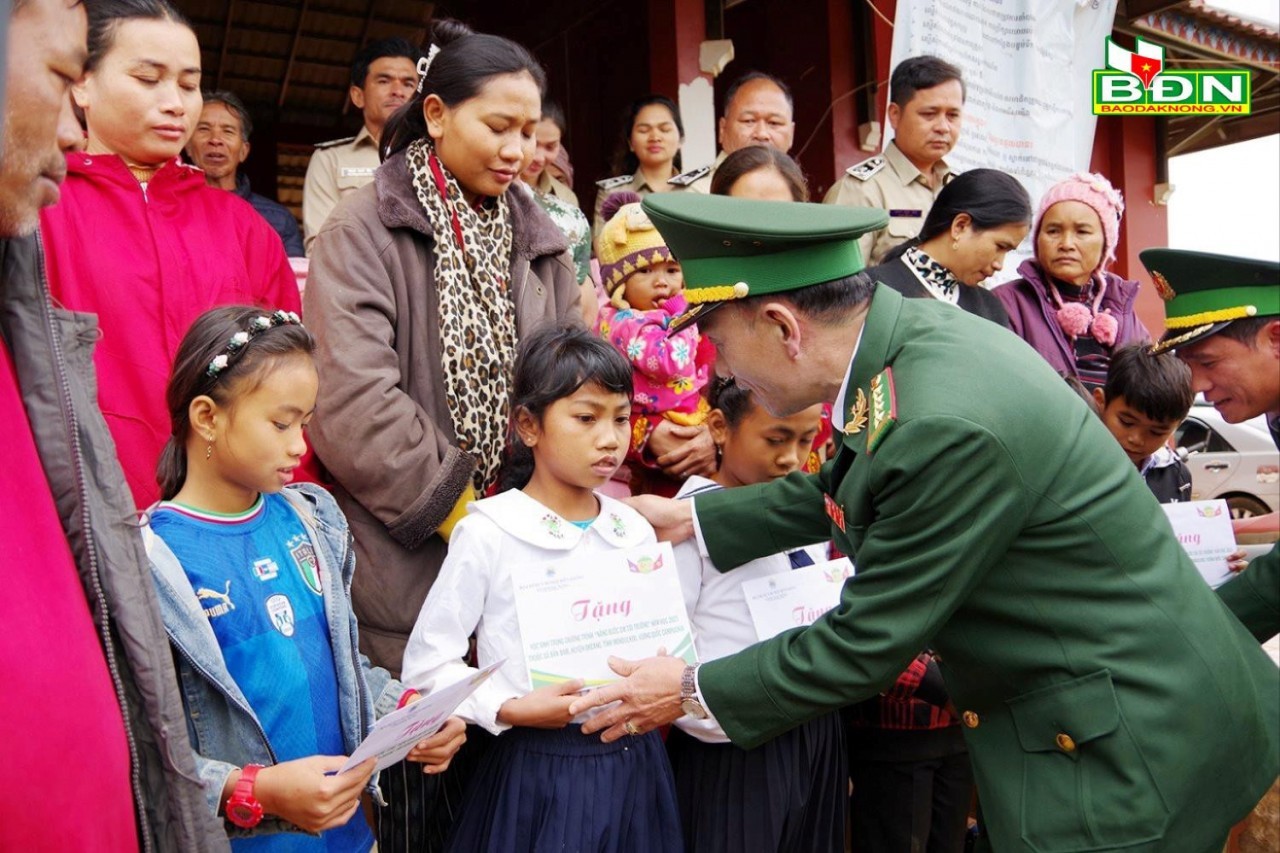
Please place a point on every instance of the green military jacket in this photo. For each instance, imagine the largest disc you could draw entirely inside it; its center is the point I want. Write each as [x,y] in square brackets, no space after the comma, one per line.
[1110,701]
[1254,597]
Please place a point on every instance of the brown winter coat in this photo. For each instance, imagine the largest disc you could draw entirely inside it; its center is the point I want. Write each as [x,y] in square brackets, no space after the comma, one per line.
[382,425]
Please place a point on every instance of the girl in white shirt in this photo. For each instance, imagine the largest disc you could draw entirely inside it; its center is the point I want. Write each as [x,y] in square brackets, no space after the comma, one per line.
[544,785]
[790,793]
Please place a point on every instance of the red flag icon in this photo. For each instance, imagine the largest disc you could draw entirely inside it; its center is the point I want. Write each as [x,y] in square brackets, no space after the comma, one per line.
[1144,64]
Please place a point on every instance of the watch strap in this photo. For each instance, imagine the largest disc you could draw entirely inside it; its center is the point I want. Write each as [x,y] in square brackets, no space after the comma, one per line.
[244,786]
[689,683]
[242,799]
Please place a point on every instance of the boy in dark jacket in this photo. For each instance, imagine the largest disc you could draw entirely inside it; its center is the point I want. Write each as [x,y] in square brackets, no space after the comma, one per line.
[1144,400]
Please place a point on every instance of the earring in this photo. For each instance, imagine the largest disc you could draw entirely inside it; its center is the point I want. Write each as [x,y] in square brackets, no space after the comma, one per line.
[719,455]
[208,451]
[955,244]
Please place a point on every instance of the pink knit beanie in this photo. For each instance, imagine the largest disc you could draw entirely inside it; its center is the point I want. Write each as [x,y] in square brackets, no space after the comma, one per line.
[1095,191]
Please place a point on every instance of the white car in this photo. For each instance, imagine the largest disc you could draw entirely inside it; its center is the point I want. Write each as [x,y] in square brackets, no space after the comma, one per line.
[1237,462]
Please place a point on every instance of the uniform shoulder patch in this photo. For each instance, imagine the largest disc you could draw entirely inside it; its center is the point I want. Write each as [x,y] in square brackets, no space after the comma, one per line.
[687,178]
[865,170]
[613,183]
[884,408]
[334,143]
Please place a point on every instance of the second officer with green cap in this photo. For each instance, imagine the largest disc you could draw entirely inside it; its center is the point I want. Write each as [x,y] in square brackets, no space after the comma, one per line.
[1222,317]
[1109,700]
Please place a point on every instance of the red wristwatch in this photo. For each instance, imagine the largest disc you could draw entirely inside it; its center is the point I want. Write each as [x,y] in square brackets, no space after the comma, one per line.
[242,808]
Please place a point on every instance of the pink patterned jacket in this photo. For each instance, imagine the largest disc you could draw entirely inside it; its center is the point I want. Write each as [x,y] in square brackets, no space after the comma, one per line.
[670,373]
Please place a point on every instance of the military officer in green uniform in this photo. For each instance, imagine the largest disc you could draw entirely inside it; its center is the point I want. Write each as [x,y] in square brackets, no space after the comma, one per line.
[1222,317]
[1110,701]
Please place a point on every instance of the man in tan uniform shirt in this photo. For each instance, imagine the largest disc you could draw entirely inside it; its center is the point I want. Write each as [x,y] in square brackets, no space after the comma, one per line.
[758,110]
[926,106]
[384,77]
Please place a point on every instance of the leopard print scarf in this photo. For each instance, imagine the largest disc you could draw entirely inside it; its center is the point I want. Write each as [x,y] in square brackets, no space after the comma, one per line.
[477,314]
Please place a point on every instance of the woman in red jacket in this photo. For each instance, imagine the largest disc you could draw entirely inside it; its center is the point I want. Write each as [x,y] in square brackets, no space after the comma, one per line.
[138,238]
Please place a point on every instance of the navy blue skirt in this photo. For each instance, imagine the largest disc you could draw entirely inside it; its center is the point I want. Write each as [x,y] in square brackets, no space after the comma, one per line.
[788,795]
[541,790]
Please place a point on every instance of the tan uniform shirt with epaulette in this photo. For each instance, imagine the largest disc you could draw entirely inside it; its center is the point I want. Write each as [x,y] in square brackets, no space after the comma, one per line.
[637,184]
[337,168]
[892,183]
[699,180]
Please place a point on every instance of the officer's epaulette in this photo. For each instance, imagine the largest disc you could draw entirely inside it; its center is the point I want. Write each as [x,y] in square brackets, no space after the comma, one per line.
[687,178]
[333,143]
[613,183]
[866,169]
[884,408]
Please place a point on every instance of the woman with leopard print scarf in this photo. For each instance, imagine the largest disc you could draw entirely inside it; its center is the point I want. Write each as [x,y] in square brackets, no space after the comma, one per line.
[421,286]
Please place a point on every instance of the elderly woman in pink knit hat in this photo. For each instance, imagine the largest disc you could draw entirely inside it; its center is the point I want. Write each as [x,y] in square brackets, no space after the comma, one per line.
[1067,305]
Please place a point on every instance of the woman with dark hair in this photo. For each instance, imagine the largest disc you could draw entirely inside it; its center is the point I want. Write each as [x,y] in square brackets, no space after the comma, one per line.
[421,285]
[761,172]
[976,220]
[648,154]
[138,238]
[559,201]
[1066,305]
[549,135]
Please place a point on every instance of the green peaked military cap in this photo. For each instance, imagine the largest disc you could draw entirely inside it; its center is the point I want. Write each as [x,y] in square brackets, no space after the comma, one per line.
[731,248]
[1203,292]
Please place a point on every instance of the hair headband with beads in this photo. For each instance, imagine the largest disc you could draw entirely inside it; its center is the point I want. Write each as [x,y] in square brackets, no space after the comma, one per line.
[424,65]
[240,340]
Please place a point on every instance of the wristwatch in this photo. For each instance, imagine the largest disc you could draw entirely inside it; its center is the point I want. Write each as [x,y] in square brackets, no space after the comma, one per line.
[689,694]
[243,809]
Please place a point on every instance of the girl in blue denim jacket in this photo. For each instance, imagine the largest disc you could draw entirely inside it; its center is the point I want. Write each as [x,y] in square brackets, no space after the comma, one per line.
[253,581]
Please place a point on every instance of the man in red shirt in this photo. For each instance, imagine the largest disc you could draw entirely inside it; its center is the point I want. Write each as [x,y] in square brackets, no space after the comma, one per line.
[95,740]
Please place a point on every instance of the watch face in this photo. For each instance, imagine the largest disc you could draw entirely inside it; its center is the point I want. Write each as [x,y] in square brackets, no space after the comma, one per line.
[691,708]
[245,815]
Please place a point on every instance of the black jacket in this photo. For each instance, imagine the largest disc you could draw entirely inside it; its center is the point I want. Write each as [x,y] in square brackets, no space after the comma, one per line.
[975,300]
[277,215]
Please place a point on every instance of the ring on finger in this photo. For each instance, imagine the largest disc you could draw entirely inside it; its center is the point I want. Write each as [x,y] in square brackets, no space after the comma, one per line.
[630,728]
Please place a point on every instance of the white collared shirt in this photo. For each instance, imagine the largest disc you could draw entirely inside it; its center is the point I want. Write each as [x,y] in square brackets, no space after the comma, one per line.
[838,407]
[717,606]
[474,593]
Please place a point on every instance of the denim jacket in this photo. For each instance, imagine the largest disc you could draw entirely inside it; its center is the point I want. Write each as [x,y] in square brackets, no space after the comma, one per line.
[225,732]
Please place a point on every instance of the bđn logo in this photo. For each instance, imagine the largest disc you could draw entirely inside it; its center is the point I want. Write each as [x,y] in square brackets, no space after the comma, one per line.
[1138,82]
